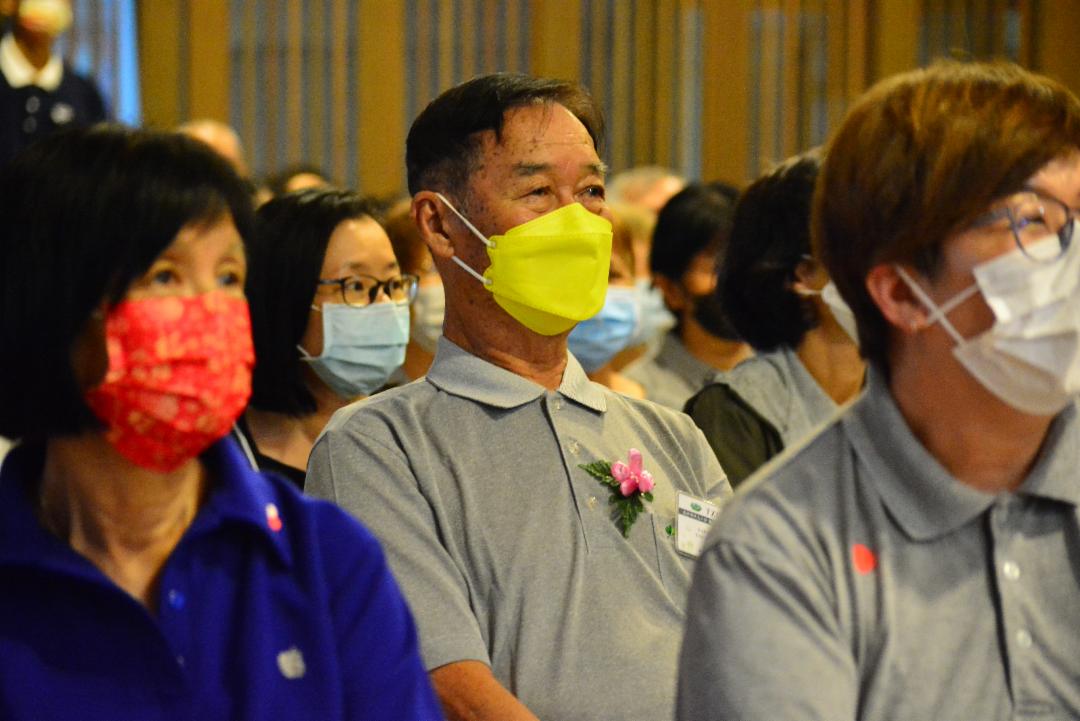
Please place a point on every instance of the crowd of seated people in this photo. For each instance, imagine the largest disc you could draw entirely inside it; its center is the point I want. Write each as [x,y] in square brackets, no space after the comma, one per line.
[283,451]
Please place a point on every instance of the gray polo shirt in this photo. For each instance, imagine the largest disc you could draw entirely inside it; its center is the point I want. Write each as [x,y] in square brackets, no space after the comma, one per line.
[672,375]
[857,579]
[507,551]
[778,386]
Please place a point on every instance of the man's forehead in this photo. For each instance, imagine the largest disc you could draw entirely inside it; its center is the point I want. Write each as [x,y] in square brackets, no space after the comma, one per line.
[530,131]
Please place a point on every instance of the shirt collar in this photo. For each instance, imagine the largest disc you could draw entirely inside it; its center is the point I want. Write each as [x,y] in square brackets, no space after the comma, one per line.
[240,497]
[19,72]
[923,497]
[461,373]
[676,355]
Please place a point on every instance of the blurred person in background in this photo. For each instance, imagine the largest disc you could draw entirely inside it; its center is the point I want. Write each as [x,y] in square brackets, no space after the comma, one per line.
[148,571]
[779,299]
[646,186]
[598,341]
[426,318]
[690,234]
[330,318]
[301,176]
[39,91]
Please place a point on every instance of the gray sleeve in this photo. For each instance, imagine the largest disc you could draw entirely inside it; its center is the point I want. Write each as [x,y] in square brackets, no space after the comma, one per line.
[762,643]
[375,483]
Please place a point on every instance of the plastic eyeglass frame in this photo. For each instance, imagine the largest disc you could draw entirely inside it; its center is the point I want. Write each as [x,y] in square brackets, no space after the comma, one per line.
[1065,238]
[381,286]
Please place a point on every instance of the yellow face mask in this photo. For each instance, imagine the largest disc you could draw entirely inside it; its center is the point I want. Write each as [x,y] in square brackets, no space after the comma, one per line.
[549,273]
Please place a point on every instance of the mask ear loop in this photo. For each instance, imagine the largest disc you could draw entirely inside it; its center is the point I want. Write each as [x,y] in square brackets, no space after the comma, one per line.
[477,233]
[938,313]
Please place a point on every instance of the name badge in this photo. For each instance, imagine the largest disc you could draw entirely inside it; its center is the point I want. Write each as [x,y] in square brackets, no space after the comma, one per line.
[692,524]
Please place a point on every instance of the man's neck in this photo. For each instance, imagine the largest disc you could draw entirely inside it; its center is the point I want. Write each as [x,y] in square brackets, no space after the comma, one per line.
[979,439]
[720,353]
[833,361]
[540,359]
[126,520]
[35,47]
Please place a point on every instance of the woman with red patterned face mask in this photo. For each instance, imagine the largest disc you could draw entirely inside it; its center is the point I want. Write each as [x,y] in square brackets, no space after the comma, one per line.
[148,570]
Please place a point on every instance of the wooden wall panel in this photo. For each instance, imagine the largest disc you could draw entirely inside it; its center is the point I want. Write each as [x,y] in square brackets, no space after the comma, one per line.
[718,89]
[382,118]
[159,51]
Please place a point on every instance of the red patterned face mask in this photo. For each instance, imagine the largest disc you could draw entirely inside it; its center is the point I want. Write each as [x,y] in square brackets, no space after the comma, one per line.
[179,376]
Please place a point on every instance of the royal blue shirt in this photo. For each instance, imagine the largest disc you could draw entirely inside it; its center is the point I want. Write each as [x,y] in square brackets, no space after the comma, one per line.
[272,606]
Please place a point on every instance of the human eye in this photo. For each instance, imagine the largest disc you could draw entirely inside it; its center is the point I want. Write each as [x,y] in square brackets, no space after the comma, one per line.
[162,276]
[357,285]
[595,191]
[539,191]
[230,279]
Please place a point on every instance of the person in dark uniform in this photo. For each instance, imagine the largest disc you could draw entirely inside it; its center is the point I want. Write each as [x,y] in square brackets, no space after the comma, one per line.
[39,91]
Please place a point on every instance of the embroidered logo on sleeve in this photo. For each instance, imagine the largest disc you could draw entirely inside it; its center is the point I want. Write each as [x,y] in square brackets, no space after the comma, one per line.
[272,518]
[863,559]
[291,663]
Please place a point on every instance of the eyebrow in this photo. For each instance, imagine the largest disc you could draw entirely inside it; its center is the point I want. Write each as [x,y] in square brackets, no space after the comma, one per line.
[360,267]
[528,169]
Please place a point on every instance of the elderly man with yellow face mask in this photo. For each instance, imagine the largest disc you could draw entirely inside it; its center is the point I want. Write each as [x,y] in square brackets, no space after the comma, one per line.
[543,527]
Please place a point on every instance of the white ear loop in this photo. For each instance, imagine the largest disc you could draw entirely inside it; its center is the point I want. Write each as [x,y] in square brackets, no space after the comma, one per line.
[477,233]
[938,313]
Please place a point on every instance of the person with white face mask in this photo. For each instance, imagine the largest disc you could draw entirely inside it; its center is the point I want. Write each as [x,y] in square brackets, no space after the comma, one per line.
[429,307]
[781,301]
[691,231]
[330,318]
[917,557]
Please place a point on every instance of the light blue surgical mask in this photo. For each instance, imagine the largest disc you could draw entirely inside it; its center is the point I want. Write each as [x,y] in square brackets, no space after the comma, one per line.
[362,346]
[656,319]
[597,340]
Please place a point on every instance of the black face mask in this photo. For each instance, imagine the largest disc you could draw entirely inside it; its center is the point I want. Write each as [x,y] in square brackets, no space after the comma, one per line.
[709,313]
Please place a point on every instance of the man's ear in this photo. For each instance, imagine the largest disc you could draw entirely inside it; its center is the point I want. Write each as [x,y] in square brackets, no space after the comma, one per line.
[894,298]
[430,216]
[810,277]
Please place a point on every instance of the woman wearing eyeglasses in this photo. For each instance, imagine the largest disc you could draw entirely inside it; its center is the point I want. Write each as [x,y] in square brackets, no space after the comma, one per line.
[918,557]
[330,319]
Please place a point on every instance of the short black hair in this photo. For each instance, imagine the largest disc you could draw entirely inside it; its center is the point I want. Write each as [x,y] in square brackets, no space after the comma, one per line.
[696,219]
[84,214]
[770,236]
[285,257]
[442,143]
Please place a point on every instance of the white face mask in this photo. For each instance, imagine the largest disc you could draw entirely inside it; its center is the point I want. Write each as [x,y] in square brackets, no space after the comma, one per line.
[427,316]
[1030,357]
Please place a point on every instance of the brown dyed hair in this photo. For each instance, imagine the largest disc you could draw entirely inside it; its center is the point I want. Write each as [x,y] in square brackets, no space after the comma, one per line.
[918,158]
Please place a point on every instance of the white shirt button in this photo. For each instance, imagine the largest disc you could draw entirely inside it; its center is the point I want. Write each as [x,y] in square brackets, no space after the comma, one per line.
[1010,570]
[33,104]
[29,125]
[1023,638]
[575,447]
[180,661]
[592,502]
[558,404]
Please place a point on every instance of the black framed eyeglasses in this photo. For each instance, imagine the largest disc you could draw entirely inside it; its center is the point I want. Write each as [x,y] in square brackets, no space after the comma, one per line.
[1042,226]
[361,290]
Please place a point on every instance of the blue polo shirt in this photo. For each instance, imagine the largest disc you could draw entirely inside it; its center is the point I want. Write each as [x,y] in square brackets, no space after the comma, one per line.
[272,606]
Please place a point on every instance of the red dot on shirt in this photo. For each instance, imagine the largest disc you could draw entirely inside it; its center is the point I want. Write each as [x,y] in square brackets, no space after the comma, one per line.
[864,559]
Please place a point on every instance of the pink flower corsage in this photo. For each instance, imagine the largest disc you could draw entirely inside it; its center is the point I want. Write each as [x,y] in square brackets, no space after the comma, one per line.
[630,484]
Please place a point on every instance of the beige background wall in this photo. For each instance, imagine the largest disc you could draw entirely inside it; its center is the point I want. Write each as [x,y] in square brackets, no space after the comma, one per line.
[716,88]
